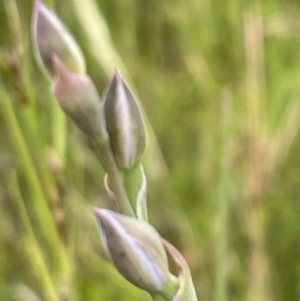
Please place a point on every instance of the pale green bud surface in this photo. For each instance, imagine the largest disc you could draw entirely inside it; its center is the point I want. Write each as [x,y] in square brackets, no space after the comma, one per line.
[50,36]
[135,248]
[124,123]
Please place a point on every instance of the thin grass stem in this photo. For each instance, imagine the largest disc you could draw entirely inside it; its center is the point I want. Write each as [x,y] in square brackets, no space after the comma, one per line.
[33,247]
[221,238]
[39,202]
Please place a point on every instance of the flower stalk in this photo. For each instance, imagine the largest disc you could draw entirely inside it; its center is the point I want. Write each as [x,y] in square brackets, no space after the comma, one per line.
[115,131]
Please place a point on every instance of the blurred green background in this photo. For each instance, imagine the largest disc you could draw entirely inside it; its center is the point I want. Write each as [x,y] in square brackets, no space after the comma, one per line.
[219,85]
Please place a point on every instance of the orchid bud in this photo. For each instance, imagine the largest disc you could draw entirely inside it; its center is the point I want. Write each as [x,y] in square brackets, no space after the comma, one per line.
[135,249]
[124,123]
[78,97]
[51,37]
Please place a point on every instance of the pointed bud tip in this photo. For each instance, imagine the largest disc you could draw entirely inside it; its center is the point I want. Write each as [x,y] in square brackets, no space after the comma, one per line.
[59,67]
[39,7]
[102,214]
[97,212]
[37,3]
[116,73]
[51,36]
[61,74]
[116,78]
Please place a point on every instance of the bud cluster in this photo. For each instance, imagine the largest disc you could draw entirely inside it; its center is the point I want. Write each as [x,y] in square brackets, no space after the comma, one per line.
[114,128]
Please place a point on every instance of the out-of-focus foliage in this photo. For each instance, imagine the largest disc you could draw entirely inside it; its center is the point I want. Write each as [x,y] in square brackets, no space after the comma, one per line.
[218,82]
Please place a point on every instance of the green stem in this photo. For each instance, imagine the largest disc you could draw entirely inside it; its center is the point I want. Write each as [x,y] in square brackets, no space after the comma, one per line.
[34,251]
[59,132]
[169,290]
[132,183]
[221,239]
[103,151]
[39,201]
[3,259]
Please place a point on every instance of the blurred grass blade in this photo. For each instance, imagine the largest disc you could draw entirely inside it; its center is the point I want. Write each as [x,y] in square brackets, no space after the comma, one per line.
[98,37]
[39,202]
[32,247]
[286,134]
[23,50]
[222,211]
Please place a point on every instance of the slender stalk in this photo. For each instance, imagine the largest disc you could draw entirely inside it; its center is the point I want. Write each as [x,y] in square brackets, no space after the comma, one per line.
[221,242]
[103,151]
[3,260]
[58,118]
[14,22]
[132,183]
[39,202]
[21,47]
[33,249]
[93,23]
[59,132]
[298,271]
[258,169]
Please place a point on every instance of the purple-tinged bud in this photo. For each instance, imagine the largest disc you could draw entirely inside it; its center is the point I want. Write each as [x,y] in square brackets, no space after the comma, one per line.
[50,36]
[124,123]
[135,249]
[78,97]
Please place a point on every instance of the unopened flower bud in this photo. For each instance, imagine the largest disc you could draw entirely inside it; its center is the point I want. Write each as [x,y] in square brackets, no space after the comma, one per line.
[135,248]
[124,123]
[51,37]
[78,97]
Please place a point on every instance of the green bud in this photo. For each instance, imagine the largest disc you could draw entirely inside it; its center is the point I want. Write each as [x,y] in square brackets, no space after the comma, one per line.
[135,248]
[50,36]
[78,97]
[124,123]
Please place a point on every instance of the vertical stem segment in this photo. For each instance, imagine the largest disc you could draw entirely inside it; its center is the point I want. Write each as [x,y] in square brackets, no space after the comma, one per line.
[33,248]
[59,138]
[39,201]
[105,156]
[221,236]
